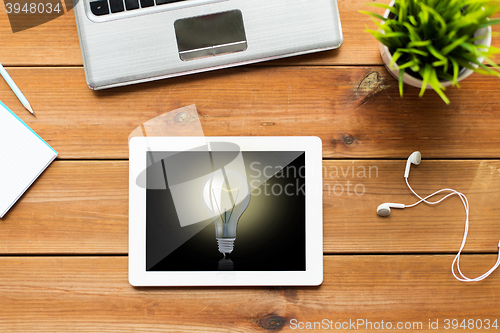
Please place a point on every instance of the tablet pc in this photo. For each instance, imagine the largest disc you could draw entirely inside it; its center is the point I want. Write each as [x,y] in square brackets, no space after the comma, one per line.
[225,211]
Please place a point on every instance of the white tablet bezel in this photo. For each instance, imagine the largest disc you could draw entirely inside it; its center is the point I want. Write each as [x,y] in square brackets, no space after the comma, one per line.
[313,275]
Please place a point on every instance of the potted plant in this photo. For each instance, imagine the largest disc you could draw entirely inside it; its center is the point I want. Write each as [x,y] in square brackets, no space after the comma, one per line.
[432,44]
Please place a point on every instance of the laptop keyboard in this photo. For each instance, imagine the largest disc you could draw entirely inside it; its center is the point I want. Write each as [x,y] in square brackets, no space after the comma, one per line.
[105,7]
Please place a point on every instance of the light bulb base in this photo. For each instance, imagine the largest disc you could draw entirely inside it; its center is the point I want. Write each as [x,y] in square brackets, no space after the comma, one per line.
[226,245]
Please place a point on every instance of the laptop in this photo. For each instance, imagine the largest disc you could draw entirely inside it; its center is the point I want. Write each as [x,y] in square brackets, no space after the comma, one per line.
[132,41]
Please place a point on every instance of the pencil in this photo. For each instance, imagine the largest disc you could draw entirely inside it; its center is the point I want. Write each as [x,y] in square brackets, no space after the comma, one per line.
[16,90]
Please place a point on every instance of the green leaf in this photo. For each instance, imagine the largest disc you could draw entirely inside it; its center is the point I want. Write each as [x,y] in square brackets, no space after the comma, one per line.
[380,24]
[410,63]
[441,63]
[491,62]
[472,48]
[440,93]
[464,63]
[447,49]
[426,74]
[492,71]
[445,76]
[380,17]
[424,17]
[420,43]
[436,53]
[415,68]
[384,6]
[437,17]
[450,36]
[401,74]
[456,70]
[395,34]
[438,87]
[412,20]
[413,32]
[415,51]
[490,22]
[402,11]
[395,58]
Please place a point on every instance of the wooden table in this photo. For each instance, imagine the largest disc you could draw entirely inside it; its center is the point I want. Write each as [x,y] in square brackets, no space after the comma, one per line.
[63,246]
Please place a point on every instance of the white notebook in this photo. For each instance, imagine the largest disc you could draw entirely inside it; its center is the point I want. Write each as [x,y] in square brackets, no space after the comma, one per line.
[23,157]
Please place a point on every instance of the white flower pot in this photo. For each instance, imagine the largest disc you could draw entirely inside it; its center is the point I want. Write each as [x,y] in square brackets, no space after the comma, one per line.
[412,81]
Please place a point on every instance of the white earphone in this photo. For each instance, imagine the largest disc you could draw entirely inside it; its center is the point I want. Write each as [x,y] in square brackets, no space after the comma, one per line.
[385,209]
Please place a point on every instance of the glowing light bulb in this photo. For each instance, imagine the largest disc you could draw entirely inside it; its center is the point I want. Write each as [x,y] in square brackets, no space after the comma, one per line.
[226,195]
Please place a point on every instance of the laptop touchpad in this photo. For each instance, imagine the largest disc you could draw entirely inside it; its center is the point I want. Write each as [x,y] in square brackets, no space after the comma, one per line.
[210,35]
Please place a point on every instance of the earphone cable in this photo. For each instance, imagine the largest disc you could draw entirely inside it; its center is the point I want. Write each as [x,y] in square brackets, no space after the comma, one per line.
[456,260]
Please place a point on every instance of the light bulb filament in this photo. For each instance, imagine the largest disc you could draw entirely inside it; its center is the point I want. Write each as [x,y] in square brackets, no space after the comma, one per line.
[219,203]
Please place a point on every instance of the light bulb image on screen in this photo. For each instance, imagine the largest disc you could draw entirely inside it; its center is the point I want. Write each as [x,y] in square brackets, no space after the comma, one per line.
[226,196]
[263,230]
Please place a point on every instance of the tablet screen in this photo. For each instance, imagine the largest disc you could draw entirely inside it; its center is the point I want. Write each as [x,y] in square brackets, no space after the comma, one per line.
[270,232]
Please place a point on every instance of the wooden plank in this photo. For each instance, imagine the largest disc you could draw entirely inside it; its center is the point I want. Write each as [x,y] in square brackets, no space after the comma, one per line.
[356,111]
[74,207]
[78,294]
[56,42]
[82,207]
[51,44]
[354,189]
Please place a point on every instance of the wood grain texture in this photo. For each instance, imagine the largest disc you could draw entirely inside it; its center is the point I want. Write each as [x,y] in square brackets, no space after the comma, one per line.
[71,208]
[82,208]
[70,294]
[53,43]
[356,111]
[56,42]
[79,206]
